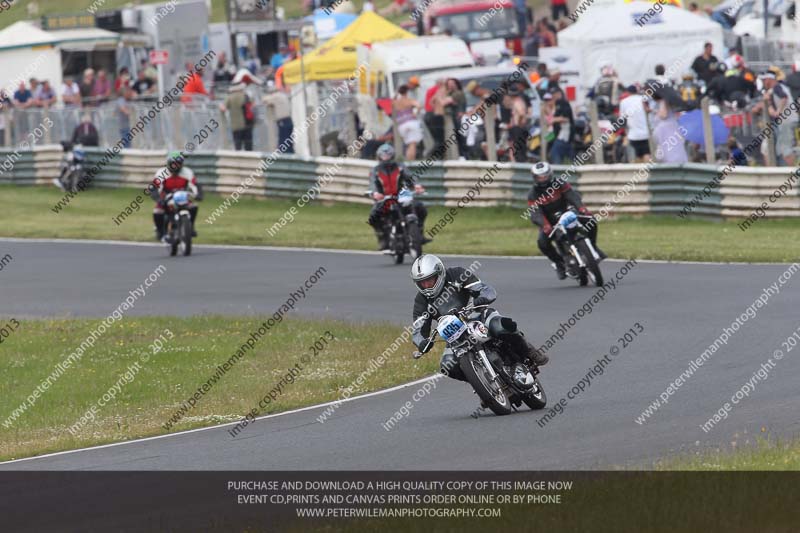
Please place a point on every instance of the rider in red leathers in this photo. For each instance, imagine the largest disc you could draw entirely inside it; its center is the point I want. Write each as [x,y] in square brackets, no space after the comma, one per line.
[173,177]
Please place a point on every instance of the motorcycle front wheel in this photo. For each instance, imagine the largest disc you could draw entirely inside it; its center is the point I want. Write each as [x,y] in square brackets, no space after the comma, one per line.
[414,239]
[535,399]
[489,391]
[592,269]
[185,230]
[72,181]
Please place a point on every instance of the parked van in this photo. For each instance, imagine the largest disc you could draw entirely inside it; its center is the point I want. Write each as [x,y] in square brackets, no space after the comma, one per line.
[391,63]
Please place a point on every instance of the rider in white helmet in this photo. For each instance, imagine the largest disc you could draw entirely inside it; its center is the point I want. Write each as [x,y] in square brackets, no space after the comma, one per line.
[441,289]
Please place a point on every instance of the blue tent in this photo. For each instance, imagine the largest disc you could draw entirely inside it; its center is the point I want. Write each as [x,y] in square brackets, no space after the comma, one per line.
[693,122]
[327,25]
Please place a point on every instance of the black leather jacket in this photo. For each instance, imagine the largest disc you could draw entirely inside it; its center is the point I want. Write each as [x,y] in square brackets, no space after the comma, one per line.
[460,284]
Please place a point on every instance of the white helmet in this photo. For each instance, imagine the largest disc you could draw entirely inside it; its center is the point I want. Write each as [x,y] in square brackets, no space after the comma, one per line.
[428,274]
[542,173]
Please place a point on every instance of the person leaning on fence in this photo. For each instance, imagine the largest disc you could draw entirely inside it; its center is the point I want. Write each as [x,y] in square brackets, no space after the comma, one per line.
[405,109]
[101,90]
[70,92]
[194,89]
[44,96]
[23,97]
[86,85]
[235,106]
[282,109]
[85,133]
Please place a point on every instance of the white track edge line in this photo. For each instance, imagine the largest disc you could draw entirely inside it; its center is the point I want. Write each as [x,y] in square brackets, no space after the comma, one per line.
[363,252]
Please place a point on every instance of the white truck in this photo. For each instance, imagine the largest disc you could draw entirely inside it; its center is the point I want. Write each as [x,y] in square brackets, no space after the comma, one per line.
[390,64]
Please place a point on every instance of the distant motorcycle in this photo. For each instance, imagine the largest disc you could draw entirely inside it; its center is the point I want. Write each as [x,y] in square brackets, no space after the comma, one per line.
[72,167]
[179,223]
[478,356]
[571,239]
[401,225]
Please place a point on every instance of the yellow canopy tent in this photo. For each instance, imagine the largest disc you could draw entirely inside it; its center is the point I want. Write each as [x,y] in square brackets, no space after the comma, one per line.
[336,59]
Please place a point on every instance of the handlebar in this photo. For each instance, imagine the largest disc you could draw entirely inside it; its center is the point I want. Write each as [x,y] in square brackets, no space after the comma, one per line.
[430,342]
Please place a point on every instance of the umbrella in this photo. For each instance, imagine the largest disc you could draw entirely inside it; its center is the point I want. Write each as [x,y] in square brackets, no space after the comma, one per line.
[693,123]
[659,90]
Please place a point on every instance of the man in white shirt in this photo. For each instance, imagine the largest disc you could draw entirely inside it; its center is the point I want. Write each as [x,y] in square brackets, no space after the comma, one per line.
[70,92]
[633,108]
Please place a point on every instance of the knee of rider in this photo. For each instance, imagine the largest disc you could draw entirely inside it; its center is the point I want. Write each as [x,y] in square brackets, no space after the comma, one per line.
[544,246]
[495,326]
[508,324]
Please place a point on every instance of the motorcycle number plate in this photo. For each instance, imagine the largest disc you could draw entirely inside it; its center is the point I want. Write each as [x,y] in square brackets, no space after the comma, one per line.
[450,327]
[569,220]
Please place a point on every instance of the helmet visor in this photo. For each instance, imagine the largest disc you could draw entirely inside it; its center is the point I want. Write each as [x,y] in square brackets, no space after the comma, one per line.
[542,178]
[428,283]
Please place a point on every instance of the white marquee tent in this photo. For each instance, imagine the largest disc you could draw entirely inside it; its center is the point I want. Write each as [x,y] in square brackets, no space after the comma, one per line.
[28,52]
[608,32]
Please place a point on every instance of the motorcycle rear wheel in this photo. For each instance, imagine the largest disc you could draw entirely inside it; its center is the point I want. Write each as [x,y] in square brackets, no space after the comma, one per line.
[490,393]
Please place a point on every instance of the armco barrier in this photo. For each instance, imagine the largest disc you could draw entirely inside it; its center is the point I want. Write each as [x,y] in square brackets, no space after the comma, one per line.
[665,189]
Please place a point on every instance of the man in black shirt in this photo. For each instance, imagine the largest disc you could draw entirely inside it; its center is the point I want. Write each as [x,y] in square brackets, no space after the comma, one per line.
[143,85]
[705,65]
[563,122]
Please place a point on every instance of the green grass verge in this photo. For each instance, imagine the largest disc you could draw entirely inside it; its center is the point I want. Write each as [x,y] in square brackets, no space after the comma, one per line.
[762,454]
[155,389]
[151,394]
[491,231]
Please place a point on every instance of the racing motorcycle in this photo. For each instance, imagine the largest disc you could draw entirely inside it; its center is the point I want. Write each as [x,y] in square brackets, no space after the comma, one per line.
[478,356]
[72,167]
[179,223]
[571,239]
[401,225]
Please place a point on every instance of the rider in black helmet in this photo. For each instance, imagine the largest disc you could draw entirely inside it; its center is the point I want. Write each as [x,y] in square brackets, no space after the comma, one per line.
[387,179]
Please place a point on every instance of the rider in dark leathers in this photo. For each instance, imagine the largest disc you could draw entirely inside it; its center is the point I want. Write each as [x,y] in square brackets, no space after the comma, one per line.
[546,200]
[443,289]
[387,179]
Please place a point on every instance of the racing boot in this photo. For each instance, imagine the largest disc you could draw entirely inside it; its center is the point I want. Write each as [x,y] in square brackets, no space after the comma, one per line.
[561,272]
[160,223]
[383,242]
[525,350]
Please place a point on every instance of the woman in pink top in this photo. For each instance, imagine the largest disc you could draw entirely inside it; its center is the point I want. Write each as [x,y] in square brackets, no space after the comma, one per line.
[101,89]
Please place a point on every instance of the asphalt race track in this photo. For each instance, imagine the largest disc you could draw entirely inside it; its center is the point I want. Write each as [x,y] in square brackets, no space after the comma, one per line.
[682,307]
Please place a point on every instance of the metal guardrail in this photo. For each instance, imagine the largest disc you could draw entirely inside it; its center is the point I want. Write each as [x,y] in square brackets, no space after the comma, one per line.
[666,189]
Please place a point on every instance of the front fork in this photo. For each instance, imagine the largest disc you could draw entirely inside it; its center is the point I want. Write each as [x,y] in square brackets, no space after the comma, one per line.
[487,364]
